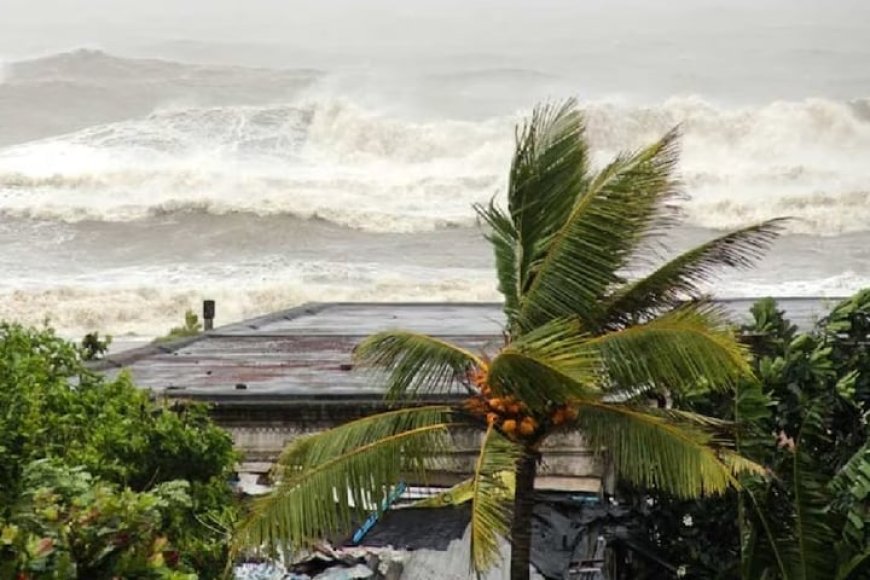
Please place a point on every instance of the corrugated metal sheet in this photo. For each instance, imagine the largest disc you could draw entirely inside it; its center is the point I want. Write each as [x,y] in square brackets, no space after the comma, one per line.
[306,352]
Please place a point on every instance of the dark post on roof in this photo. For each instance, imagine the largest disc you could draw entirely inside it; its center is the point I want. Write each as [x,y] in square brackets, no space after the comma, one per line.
[208,314]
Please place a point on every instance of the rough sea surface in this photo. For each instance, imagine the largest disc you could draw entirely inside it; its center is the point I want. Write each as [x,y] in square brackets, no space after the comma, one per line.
[134,186]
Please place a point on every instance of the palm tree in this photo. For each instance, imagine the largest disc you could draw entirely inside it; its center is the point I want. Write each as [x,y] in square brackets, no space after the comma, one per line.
[583,350]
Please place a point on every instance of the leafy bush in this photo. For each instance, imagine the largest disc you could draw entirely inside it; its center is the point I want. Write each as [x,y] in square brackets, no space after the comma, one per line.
[805,419]
[66,524]
[94,347]
[191,327]
[53,406]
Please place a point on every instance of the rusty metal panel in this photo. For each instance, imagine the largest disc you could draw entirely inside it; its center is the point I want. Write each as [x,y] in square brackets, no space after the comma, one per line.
[307,350]
[252,365]
[362,319]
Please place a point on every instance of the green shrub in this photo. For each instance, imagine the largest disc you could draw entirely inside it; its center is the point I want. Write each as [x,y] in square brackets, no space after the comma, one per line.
[191,327]
[805,420]
[66,525]
[53,406]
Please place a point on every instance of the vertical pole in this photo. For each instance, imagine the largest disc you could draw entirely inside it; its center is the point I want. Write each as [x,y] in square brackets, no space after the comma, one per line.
[208,314]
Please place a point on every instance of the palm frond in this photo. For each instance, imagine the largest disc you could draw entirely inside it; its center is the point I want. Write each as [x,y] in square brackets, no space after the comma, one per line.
[680,278]
[618,210]
[505,242]
[333,478]
[741,464]
[810,555]
[851,487]
[462,492]
[491,499]
[688,347]
[414,362]
[457,494]
[551,364]
[658,450]
[562,345]
[548,173]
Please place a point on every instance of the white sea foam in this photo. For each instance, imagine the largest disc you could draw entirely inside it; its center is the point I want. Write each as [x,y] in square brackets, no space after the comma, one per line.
[802,159]
[147,301]
[839,285]
[336,161]
[332,161]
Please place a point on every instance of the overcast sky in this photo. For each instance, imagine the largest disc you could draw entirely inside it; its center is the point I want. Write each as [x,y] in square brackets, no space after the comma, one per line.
[33,26]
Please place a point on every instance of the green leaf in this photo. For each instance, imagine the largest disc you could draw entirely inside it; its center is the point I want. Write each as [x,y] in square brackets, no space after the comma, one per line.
[661,450]
[505,239]
[333,478]
[618,209]
[851,488]
[679,279]
[810,557]
[8,534]
[551,364]
[491,498]
[414,362]
[548,174]
[687,348]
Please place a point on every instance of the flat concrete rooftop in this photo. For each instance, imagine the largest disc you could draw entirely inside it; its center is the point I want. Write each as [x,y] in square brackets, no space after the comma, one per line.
[304,353]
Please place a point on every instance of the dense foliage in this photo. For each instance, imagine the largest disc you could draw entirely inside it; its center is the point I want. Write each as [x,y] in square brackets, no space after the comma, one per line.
[52,406]
[806,420]
[69,525]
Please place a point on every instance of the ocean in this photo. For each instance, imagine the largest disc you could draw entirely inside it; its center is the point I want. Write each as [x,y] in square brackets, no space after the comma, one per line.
[132,187]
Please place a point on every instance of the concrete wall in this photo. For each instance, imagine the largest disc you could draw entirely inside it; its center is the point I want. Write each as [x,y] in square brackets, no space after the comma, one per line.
[261,435]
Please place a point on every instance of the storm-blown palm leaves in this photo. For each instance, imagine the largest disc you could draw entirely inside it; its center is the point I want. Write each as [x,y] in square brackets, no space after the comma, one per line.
[581,345]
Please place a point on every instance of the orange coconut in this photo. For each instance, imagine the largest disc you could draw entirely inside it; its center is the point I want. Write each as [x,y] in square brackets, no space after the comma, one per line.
[528,426]
[497,404]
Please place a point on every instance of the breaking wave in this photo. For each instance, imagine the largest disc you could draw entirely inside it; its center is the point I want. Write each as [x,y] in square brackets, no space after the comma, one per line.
[333,160]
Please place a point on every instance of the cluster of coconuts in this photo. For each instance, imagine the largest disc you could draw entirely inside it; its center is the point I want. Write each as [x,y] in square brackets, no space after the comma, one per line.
[510,416]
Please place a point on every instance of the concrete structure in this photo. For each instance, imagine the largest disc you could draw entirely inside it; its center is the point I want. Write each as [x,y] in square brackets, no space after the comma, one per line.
[273,378]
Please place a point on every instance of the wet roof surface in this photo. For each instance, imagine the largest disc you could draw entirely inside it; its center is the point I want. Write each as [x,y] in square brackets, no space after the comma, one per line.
[306,351]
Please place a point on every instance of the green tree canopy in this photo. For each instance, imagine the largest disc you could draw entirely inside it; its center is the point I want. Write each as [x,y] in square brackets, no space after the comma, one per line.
[805,420]
[52,406]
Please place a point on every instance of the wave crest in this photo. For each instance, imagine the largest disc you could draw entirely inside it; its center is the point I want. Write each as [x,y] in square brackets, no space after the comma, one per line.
[334,160]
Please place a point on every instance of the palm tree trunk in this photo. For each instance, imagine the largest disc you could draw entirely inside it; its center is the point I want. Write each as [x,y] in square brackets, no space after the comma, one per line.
[521,526]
